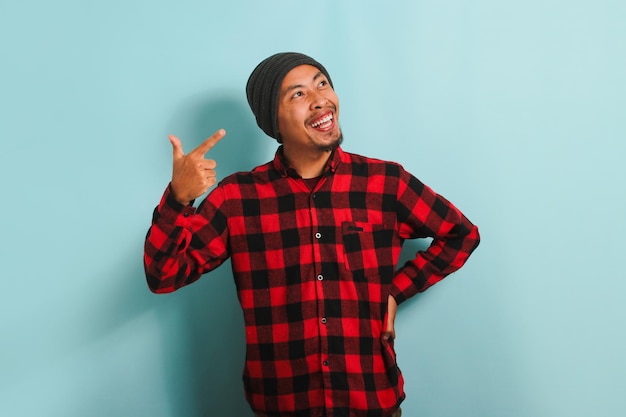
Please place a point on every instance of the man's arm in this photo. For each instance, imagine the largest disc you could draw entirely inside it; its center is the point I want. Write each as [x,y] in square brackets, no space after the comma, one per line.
[181,245]
[424,213]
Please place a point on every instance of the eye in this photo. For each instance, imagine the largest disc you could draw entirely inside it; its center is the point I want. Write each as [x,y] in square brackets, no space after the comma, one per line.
[323,83]
[297,94]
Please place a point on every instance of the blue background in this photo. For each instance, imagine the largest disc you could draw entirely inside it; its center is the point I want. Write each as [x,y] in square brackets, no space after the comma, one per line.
[512,110]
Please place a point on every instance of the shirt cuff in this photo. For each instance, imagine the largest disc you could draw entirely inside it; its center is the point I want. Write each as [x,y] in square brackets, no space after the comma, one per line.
[402,287]
[171,210]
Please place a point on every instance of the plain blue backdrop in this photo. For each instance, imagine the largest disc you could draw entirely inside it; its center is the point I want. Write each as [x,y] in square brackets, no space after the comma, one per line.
[515,111]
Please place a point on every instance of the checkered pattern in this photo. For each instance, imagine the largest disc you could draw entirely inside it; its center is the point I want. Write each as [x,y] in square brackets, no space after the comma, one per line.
[314,269]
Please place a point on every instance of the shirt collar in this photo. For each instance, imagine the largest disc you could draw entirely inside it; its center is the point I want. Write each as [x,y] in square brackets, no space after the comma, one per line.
[282,165]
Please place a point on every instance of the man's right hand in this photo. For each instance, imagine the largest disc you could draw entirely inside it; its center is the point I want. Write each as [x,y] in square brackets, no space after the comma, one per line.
[192,174]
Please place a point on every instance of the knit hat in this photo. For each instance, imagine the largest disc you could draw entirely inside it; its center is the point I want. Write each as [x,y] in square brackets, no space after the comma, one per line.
[264,84]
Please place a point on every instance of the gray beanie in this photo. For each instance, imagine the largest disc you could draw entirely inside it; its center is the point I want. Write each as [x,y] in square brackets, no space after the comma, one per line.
[264,85]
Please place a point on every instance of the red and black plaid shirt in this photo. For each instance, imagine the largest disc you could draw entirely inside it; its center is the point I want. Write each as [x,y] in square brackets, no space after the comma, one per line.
[313,270]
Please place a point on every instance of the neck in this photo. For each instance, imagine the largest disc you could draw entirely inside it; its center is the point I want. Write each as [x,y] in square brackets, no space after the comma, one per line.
[310,164]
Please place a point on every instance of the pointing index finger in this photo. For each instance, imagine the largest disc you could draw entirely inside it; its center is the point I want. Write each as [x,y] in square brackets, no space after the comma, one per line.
[210,142]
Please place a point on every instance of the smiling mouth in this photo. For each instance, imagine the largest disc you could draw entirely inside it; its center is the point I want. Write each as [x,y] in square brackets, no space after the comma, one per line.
[323,122]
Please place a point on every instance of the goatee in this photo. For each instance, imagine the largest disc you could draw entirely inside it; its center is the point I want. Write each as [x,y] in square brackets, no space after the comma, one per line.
[334,145]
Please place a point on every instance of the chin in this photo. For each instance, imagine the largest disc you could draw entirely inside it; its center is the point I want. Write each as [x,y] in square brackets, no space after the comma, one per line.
[333,145]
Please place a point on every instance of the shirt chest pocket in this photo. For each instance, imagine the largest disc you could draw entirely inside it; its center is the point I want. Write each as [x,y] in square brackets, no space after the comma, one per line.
[367,246]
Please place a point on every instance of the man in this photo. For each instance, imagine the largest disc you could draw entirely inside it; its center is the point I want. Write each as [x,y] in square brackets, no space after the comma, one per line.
[314,237]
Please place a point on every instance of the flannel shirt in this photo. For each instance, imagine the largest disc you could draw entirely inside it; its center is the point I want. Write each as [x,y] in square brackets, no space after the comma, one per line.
[313,271]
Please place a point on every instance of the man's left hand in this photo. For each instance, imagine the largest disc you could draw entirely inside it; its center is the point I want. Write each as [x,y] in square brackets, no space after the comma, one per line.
[390,331]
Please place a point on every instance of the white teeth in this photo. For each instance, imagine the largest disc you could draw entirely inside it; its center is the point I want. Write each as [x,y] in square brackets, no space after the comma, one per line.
[322,120]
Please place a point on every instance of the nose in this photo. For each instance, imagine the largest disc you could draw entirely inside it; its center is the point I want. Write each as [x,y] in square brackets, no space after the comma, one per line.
[318,100]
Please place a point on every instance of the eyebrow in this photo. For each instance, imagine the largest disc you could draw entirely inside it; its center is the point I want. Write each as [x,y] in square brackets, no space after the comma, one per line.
[296,86]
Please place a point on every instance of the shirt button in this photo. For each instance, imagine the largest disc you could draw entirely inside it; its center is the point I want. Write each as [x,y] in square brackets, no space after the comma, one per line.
[325,363]
[323,320]
[318,235]
[320,277]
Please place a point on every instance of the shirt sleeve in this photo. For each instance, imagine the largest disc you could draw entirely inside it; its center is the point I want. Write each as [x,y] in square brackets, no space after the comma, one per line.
[423,213]
[184,242]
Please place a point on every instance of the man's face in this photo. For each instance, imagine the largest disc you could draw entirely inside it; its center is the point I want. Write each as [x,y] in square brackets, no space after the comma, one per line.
[308,111]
